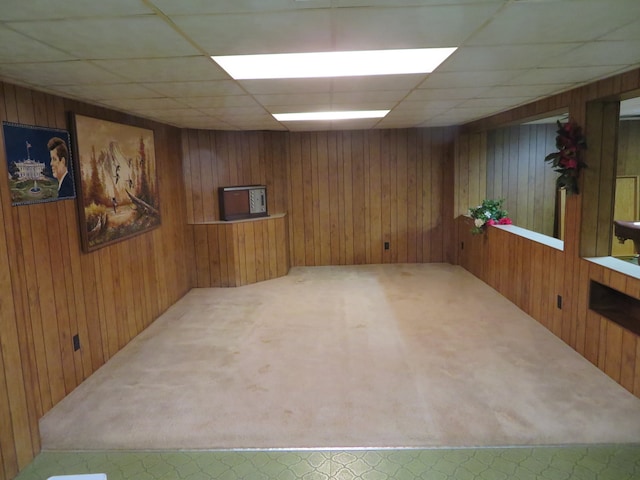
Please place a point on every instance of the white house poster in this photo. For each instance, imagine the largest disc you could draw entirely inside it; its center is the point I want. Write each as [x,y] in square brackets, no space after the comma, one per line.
[39,165]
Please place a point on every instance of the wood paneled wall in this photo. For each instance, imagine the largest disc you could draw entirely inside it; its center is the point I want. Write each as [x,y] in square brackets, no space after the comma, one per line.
[350,192]
[533,275]
[213,159]
[517,172]
[629,148]
[240,253]
[50,290]
[346,193]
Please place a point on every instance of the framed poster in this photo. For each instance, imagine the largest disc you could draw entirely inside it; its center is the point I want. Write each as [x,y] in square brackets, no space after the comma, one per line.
[117,180]
[39,163]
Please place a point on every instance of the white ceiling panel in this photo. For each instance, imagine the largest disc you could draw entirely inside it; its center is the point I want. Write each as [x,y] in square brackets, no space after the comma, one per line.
[203,7]
[503,57]
[523,91]
[575,75]
[384,96]
[100,38]
[106,92]
[405,3]
[282,32]
[219,101]
[152,57]
[630,31]
[445,93]
[285,86]
[142,104]
[385,28]
[487,104]
[295,99]
[196,89]
[30,10]
[173,69]
[426,105]
[467,79]
[18,48]
[533,22]
[375,83]
[621,54]
[236,112]
[59,73]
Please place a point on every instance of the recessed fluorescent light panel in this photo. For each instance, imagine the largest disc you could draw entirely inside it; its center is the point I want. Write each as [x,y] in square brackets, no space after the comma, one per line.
[304,116]
[333,64]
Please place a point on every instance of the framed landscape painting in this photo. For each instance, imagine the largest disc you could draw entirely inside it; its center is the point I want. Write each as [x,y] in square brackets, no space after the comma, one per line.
[117,180]
[38,163]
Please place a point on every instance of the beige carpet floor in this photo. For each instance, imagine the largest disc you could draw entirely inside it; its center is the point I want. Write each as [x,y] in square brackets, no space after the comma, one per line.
[333,357]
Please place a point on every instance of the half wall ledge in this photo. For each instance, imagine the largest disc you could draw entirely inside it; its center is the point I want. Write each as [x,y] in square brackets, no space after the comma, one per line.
[241,252]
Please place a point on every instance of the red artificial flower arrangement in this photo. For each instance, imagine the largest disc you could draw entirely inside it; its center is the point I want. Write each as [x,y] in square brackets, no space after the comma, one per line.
[489,212]
[567,161]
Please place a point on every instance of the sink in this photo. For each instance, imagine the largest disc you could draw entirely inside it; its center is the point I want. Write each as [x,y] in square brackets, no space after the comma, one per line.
[628,231]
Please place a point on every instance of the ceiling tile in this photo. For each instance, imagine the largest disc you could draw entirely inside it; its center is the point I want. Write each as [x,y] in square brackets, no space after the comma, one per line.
[173,113]
[405,3]
[206,123]
[141,104]
[426,105]
[485,78]
[388,28]
[533,22]
[196,89]
[234,112]
[30,10]
[569,75]
[510,91]
[219,101]
[106,92]
[630,31]
[285,86]
[24,49]
[598,53]
[142,62]
[282,32]
[100,38]
[173,69]
[295,99]
[202,7]
[375,83]
[445,93]
[383,96]
[498,103]
[503,57]
[59,73]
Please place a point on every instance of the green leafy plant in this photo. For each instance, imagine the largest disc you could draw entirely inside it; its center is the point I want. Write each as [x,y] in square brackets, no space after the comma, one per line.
[567,161]
[489,212]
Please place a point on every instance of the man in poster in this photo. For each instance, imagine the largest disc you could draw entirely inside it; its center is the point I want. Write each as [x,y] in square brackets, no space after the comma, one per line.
[59,165]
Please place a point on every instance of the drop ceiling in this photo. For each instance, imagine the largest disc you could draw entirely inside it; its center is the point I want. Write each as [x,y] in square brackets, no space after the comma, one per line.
[151,58]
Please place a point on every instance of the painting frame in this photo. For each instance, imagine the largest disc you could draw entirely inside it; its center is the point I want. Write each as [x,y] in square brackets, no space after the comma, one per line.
[39,162]
[116,180]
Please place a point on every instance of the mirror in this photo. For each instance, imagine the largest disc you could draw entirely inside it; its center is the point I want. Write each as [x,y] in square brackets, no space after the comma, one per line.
[517,172]
[626,205]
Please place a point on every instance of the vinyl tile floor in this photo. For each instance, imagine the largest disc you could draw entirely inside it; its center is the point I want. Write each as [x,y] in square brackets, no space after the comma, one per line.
[597,462]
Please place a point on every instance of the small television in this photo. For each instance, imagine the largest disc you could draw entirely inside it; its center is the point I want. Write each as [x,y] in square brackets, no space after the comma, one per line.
[240,202]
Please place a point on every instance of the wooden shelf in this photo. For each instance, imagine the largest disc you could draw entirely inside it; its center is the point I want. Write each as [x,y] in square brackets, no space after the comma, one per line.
[616,306]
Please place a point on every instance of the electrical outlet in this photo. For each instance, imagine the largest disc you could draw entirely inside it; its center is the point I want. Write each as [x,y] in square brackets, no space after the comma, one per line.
[559,302]
[76,342]
[386,245]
